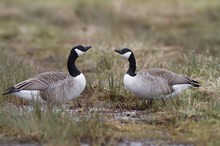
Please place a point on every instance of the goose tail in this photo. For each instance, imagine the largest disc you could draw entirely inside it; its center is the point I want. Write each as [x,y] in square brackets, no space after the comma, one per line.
[10,90]
[195,83]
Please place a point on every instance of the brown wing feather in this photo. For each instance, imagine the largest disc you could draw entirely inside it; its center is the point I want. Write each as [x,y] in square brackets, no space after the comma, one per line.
[155,81]
[41,81]
[171,77]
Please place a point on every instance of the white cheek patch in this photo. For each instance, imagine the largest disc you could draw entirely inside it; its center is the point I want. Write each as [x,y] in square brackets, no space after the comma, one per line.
[126,55]
[79,52]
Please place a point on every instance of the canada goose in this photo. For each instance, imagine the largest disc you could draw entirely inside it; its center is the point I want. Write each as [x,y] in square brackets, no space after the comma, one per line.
[55,87]
[153,83]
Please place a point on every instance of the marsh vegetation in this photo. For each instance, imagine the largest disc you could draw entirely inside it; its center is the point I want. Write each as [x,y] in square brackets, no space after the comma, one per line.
[182,36]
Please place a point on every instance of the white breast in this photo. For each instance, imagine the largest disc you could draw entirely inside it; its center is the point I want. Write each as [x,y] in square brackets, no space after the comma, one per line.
[81,81]
[79,86]
[135,85]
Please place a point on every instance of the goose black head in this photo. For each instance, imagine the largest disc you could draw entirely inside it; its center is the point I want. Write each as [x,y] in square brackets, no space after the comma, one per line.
[79,49]
[125,52]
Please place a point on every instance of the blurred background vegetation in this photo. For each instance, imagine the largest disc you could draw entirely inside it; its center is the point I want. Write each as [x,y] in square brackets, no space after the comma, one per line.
[183,36]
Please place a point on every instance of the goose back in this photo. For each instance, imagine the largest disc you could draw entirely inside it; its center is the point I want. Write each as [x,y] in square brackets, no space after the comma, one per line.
[41,81]
[171,77]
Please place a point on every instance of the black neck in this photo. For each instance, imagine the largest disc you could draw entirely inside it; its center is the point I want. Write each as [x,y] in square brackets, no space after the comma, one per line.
[132,65]
[71,64]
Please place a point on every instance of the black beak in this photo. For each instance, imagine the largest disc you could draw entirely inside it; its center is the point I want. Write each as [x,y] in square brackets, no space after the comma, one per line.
[118,51]
[87,47]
